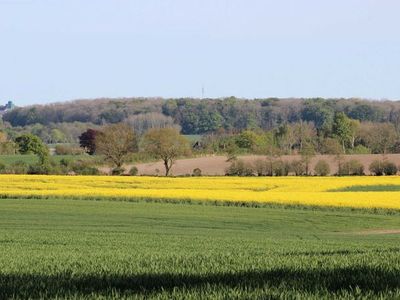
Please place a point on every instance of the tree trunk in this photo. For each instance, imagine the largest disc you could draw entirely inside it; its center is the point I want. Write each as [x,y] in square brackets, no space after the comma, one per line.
[167,167]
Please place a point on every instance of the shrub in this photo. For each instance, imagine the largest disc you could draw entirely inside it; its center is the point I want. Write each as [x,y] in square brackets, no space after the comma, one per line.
[298,167]
[18,167]
[68,150]
[8,148]
[82,167]
[196,172]
[133,171]
[47,168]
[2,168]
[351,168]
[239,168]
[322,168]
[44,169]
[331,146]
[281,168]
[66,162]
[389,168]
[360,149]
[117,171]
[383,167]
[260,167]
[376,167]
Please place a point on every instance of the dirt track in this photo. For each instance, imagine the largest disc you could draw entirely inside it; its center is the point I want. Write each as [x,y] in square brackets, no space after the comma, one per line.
[216,165]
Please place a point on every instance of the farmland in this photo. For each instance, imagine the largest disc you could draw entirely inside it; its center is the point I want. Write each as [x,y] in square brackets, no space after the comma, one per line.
[104,237]
[217,164]
[372,192]
[113,249]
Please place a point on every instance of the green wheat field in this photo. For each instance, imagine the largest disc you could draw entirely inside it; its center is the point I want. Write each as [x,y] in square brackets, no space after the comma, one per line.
[82,249]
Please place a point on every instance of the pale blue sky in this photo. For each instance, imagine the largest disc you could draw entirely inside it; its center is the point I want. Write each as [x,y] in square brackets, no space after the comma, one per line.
[59,50]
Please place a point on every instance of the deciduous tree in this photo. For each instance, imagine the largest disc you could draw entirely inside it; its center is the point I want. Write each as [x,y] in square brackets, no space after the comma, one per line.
[87,140]
[116,142]
[166,144]
[29,143]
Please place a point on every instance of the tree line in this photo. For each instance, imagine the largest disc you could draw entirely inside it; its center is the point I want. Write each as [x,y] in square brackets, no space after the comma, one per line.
[114,143]
[195,116]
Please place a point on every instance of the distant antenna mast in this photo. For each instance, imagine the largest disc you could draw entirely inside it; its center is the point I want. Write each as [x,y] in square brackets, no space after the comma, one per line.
[202,91]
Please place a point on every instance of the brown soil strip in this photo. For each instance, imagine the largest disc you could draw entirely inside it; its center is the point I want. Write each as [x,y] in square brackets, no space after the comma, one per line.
[216,165]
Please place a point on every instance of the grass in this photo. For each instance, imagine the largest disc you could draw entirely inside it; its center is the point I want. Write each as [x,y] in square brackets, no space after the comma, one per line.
[32,159]
[10,159]
[86,249]
[369,188]
[193,137]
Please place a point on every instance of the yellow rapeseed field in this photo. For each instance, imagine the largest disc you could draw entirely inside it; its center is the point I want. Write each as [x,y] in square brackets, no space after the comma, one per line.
[284,190]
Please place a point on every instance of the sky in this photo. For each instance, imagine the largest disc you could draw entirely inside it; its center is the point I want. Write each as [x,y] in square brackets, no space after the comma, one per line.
[57,50]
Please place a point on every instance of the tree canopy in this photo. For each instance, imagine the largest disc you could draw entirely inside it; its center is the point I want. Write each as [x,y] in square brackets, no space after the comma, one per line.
[116,142]
[166,144]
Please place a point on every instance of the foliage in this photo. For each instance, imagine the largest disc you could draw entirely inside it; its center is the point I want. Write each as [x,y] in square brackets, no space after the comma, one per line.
[352,167]
[342,128]
[8,147]
[359,149]
[376,167]
[68,150]
[117,171]
[29,143]
[133,171]
[45,168]
[239,168]
[389,168]
[380,138]
[199,117]
[260,167]
[143,122]
[322,168]
[319,112]
[307,153]
[18,167]
[166,144]
[87,140]
[116,142]
[85,111]
[246,140]
[249,124]
[298,167]
[196,172]
[281,168]
[331,146]
[83,167]
[382,167]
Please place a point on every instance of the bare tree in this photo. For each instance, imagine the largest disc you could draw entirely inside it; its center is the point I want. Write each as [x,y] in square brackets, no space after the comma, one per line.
[143,122]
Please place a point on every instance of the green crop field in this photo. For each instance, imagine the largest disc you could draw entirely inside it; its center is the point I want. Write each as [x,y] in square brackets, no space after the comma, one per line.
[105,249]
[31,159]
[10,159]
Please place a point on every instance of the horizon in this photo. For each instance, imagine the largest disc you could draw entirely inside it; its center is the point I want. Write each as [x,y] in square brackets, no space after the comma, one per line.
[198,98]
[69,50]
